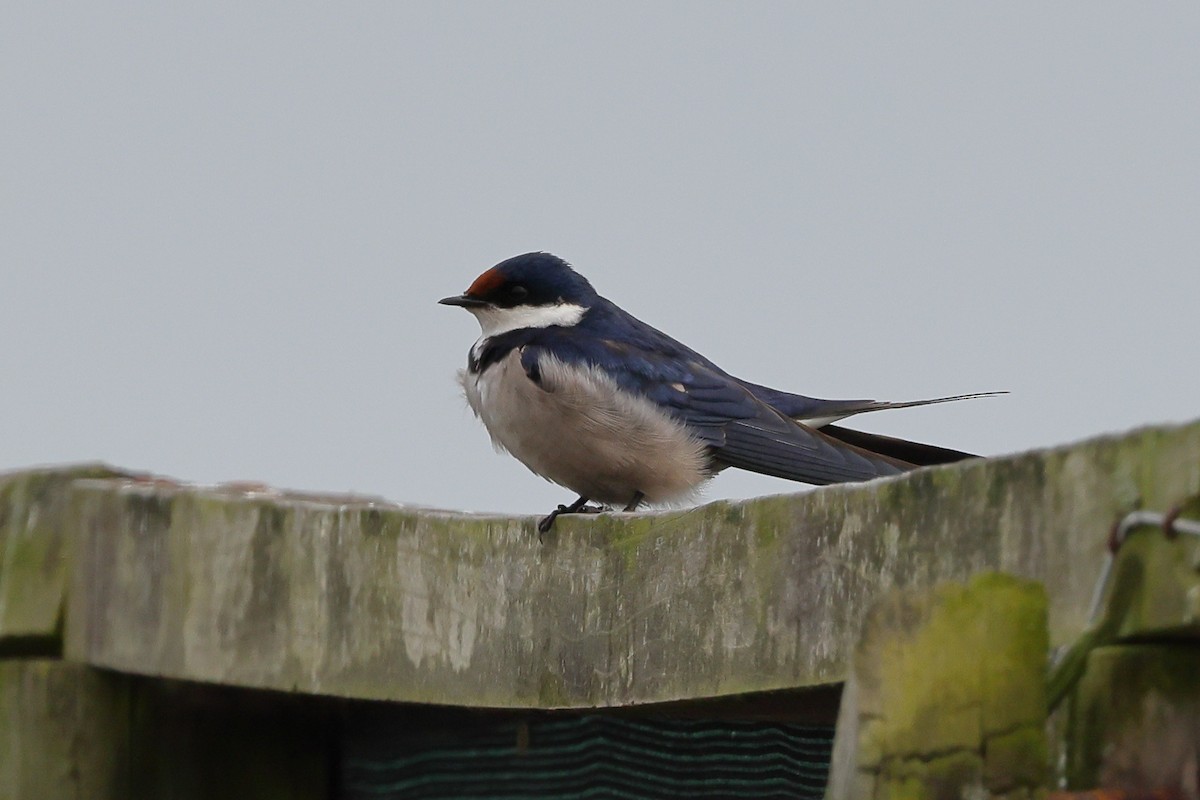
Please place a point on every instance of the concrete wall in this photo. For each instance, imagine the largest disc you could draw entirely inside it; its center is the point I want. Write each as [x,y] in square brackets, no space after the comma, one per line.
[359,599]
[362,599]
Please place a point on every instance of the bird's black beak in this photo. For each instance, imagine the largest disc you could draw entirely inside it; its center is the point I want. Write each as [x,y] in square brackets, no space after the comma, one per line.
[466,301]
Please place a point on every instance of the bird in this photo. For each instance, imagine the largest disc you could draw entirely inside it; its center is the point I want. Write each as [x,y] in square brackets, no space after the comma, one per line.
[593,399]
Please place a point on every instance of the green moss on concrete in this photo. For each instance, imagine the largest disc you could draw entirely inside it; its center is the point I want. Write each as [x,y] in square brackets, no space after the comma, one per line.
[35,554]
[947,668]
[1168,573]
[1016,760]
[771,520]
[346,596]
[1154,593]
[940,777]
[551,692]
[929,682]
[1015,638]
[947,694]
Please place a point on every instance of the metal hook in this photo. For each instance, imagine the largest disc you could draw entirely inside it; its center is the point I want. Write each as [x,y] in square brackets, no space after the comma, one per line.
[1170,523]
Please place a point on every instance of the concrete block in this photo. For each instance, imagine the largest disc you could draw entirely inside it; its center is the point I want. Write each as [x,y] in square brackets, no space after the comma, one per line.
[947,695]
[64,732]
[34,556]
[1135,720]
[363,599]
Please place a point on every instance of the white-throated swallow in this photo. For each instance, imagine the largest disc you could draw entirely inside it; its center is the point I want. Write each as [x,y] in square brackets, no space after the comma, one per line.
[592,398]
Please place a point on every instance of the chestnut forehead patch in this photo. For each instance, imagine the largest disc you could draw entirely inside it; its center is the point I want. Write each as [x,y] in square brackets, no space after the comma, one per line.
[486,283]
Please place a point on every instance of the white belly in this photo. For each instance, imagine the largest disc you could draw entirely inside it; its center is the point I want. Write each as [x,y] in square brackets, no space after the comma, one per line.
[584,433]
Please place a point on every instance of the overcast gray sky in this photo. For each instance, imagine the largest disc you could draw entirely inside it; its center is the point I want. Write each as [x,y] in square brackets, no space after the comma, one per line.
[226,225]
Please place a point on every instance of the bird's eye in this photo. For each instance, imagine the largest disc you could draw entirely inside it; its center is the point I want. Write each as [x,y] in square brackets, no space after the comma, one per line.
[517,292]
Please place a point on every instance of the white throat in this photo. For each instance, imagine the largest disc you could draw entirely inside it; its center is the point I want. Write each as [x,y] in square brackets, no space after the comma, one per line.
[495,321]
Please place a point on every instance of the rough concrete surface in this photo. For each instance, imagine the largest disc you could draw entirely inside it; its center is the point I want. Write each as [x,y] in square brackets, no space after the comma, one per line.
[64,731]
[1159,580]
[364,599]
[947,694]
[1135,721]
[34,556]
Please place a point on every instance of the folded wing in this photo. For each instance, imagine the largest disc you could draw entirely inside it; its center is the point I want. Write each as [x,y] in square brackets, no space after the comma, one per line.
[740,429]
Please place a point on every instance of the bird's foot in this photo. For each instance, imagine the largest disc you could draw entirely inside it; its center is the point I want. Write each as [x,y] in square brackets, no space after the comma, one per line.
[633,504]
[580,506]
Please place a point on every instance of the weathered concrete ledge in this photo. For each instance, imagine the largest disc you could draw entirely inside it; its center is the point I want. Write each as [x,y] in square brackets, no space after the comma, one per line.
[34,555]
[364,599]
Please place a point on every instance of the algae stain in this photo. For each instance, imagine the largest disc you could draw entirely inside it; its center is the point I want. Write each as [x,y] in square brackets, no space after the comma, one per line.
[370,522]
[552,691]
[149,511]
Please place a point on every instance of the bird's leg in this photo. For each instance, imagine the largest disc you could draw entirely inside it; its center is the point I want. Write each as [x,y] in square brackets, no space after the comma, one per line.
[580,506]
[638,497]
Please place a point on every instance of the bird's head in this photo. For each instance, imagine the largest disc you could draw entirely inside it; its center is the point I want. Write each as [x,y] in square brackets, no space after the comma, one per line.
[534,290]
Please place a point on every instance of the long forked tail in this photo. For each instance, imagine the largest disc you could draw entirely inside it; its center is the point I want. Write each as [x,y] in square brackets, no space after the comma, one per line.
[877,405]
[915,453]
[817,412]
[884,405]
[820,413]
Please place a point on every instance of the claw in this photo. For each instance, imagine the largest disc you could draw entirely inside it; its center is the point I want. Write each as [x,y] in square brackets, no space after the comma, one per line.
[580,506]
[547,522]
